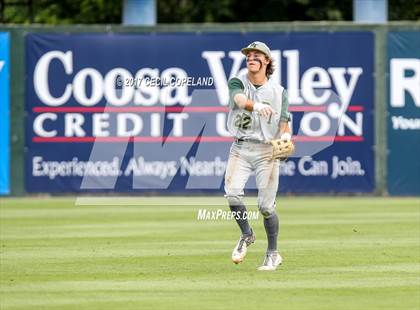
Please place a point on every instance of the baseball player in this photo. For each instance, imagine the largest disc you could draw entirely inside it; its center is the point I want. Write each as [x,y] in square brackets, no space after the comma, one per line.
[258,117]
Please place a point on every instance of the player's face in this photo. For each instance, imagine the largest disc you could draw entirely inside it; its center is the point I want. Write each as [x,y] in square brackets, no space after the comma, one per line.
[255,61]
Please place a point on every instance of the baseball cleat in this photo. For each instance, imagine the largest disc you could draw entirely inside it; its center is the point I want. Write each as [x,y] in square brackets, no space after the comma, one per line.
[271,261]
[240,249]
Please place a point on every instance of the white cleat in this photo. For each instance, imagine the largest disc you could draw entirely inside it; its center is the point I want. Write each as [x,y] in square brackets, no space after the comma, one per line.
[271,261]
[240,249]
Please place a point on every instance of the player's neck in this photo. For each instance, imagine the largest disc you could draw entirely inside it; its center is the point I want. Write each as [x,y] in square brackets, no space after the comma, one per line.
[257,78]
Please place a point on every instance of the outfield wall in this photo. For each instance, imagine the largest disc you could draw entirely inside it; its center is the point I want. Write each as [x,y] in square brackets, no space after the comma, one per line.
[322,49]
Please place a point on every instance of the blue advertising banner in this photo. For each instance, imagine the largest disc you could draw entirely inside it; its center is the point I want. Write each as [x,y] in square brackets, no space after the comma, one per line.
[4,114]
[404,113]
[148,112]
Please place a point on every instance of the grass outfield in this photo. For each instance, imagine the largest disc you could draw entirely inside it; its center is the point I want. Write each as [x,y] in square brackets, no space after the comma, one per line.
[339,253]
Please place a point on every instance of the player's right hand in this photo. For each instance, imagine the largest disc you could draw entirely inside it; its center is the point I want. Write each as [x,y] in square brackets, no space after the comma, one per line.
[263,109]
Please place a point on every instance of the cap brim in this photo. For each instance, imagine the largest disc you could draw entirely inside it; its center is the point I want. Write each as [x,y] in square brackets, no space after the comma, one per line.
[245,50]
[248,49]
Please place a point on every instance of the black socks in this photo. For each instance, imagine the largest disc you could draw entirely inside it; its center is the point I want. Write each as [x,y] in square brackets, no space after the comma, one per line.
[271,225]
[240,210]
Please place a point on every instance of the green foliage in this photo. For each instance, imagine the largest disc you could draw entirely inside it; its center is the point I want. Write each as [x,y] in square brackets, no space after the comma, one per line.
[190,11]
[66,12]
[404,9]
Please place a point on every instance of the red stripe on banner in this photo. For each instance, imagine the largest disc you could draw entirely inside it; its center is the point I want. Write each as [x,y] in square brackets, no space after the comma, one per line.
[183,139]
[328,138]
[354,108]
[349,139]
[307,109]
[129,109]
[323,108]
[132,139]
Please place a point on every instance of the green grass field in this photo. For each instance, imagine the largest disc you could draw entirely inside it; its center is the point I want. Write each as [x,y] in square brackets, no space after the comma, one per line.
[339,253]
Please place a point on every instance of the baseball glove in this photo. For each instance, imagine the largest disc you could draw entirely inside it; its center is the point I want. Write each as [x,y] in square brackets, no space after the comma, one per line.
[282,149]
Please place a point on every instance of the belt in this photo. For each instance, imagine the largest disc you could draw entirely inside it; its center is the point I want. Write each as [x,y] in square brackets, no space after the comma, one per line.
[240,140]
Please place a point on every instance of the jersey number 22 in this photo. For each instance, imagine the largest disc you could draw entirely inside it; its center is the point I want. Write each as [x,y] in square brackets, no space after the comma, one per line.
[243,121]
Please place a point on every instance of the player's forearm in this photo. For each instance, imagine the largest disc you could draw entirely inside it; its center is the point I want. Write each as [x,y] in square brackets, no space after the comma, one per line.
[285,128]
[264,110]
[243,102]
[284,131]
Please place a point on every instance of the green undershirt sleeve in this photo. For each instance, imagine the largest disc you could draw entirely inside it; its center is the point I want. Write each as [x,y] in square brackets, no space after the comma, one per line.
[285,115]
[235,86]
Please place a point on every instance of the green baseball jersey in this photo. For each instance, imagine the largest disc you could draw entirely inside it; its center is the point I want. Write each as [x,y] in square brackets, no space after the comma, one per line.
[250,125]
